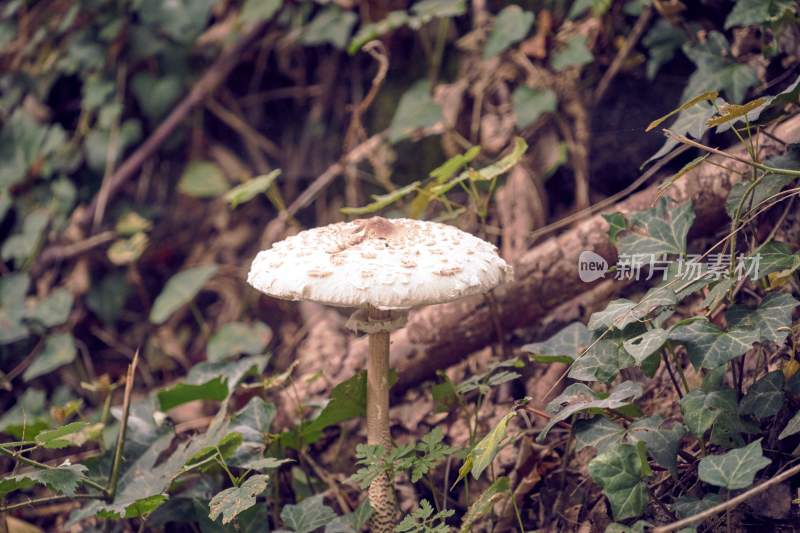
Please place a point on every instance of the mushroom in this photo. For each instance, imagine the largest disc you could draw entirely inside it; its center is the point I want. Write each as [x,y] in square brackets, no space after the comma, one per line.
[383,268]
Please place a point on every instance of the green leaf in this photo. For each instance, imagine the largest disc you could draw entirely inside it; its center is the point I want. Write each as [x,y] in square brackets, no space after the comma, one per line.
[415,110]
[28,416]
[73,434]
[445,395]
[21,246]
[792,427]
[715,69]
[662,41]
[662,443]
[772,319]
[107,298]
[774,256]
[368,32]
[485,451]
[599,433]
[59,350]
[156,95]
[381,200]
[658,231]
[423,519]
[619,473]
[255,11]
[230,502]
[763,190]
[63,479]
[752,12]
[701,409]
[617,223]
[53,310]
[603,360]
[237,338]
[433,451]
[687,506]
[649,342]
[308,515]
[710,347]
[511,25]
[354,522]
[180,290]
[332,25]
[529,104]
[735,469]
[574,53]
[765,397]
[564,346]
[692,122]
[248,190]
[210,381]
[203,179]
[578,397]
[267,463]
[489,172]
[501,488]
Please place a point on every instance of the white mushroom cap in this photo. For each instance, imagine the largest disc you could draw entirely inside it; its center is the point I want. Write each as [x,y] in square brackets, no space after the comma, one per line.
[388,264]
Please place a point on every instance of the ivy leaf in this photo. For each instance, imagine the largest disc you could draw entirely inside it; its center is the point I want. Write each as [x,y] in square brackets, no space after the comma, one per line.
[308,515]
[687,506]
[529,104]
[495,492]
[702,409]
[772,319]
[63,479]
[710,347]
[733,470]
[603,360]
[180,290]
[59,350]
[792,427]
[511,25]
[578,397]
[774,256]
[237,338]
[210,381]
[619,473]
[28,416]
[354,522]
[765,398]
[415,110]
[254,420]
[564,346]
[52,310]
[662,443]
[230,502]
[599,433]
[662,41]
[617,223]
[574,53]
[767,187]
[664,230]
[715,69]
[649,342]
[752,12]
[332,25]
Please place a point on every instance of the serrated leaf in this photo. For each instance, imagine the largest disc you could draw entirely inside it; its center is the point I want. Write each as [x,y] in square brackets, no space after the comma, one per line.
[765,397]
[63,479]
[248,190]
[573,53]
[498,490]
[662,443]
[649,342]
[416,110]
[772,319]
[511,25]
[236,338]
[73,434]
[568,343]
[308,515]
[578,397]
[733,470]
[710,347]
[599,433]
[203,179]
[230,502]
[619,473]
[180,290]
[59,350]
[658,231]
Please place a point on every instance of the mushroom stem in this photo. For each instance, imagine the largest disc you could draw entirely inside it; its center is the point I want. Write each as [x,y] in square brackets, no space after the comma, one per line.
[381,490]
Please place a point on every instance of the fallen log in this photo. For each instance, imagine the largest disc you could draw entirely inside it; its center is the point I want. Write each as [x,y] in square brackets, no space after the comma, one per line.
[439,336]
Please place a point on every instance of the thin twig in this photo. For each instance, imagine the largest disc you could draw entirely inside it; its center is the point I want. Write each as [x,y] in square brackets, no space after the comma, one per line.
[622,55]
[113,478]
[50,499]
[730,504]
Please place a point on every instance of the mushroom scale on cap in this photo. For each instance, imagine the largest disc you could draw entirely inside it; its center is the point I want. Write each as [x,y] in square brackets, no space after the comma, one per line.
[388,264]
